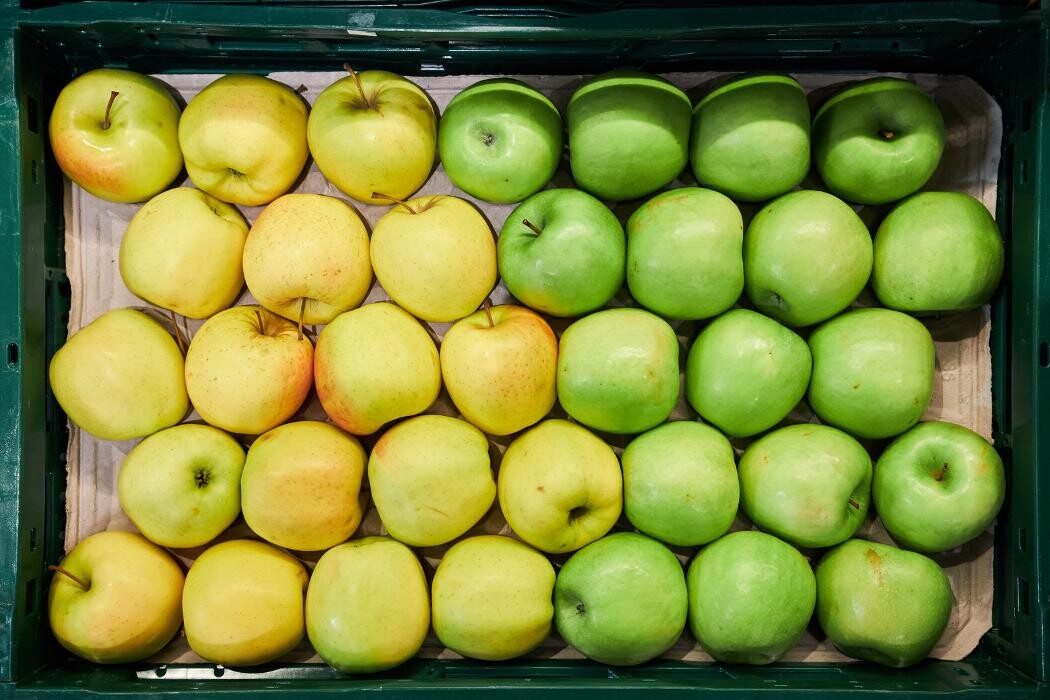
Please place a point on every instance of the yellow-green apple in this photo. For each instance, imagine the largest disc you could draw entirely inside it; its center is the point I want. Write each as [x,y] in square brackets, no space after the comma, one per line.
[684,253]
[367,607]
[745,372]
[872,372]
[120,377]
[560,487]
[373,365]
[750,598]
[621,600]
[500,140]
[500,368]
[248,370]
[807,255]
[115,598]
[243,603]
[680,483]
[244,139]
[115,133]
[618,370]
[491,598]
[182,251]
[182,486]
[628,134]
[937,252]
[435,256]
[300,486]
[879,603]
[373,132]
[938,486]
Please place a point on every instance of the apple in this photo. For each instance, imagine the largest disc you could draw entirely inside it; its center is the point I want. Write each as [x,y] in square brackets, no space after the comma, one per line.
[621,600]
[244,139]
[745,372]
[243,603]
[435,256]
[750,137]
[877,140]
[182,486]
[807,484]
[684,256]
[182,251]
[680,483]
[373,132]
[115,598]
[628,134]
[120,377]
[248,370]
[367,606]
[115,134]
[500,140]
[938,486]
[807,255]
[872,372]
[373,365]
[560,487]
[300,486]
[937,252]
[306,258]
[500,368]
[431,479]
[882,604]
[618,370]
[491,598]
[562,252]
[751,597]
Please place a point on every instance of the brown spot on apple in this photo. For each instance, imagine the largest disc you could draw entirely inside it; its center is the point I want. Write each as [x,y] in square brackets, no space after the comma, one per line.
[876,565]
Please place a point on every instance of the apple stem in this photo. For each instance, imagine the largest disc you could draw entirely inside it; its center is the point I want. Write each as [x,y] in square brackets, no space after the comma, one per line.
[886,134]
[854,504]
[301,89]
[258,317]
[535,229]
[77,580]
[302,312]
[109,106]
[178,335]
[380,195]
[487,305]
[357,79]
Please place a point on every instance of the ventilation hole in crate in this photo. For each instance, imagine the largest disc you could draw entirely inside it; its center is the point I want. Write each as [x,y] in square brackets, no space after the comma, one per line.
[895,46]
[32,539]
[153,38]
[836,46]
[1023,603]
[34,172]
[1026,114]
[31,588]
[1023,173]
[32,114]
[1044,354]
[12,354]
[1022,539]
[219,671]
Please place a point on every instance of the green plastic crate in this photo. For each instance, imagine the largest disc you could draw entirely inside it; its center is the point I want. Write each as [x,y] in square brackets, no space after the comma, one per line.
[43,43]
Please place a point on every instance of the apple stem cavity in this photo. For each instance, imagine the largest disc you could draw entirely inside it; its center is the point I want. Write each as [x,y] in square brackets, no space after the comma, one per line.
[533,227]
[71,577]
[109,105]
[853,504]
[487,305]
[886,134]
[380,195]
[302,312]
[357,79]
[178,335]
[941,473]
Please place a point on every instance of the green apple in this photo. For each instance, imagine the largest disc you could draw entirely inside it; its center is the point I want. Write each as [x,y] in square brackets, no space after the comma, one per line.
[491,598]
[872,372]
[938,486]
[115,598]
[300,486]
[182,486]
[248,370]
[750,137]
[500,140]
[807,484]
[684,256]
[807,255]
[628,134]
[500,368]
[367,607]
[745,372]
[680,483]
[243,603]
[120,377]
[435,256]
[877,140]
[937,252]
[562,252]
[618,370]
[182,251]
[115,133]
[431,479]
[621,600]
[373,132]
[751,597]
[306,258]
[244,139]
[879,603]
[560,487]
[373,365]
